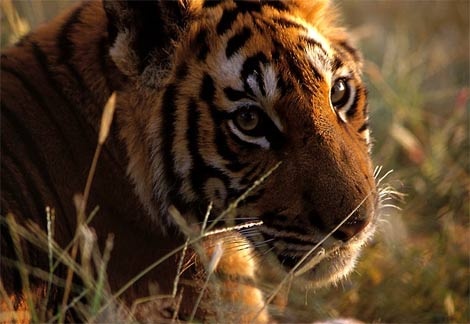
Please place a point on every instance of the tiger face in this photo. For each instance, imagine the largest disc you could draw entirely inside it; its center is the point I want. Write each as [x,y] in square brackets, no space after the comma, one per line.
[249,88]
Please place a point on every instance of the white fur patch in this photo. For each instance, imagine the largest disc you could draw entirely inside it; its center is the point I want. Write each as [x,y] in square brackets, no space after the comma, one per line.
[320,57]
[122,54]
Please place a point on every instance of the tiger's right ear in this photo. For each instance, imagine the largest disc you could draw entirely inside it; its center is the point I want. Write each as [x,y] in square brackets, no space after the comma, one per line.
[141,32]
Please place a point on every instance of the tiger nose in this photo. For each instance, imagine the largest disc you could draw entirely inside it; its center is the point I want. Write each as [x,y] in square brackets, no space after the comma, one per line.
[351,227]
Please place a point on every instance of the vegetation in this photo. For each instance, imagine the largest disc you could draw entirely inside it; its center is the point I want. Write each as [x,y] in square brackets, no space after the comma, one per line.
[417,68]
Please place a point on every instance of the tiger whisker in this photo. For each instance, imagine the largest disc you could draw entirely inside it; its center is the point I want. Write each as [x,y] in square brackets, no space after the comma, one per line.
[390,206]
[209,221]
[261,243]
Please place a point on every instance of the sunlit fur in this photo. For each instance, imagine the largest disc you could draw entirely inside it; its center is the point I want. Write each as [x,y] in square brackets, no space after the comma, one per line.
[181,71]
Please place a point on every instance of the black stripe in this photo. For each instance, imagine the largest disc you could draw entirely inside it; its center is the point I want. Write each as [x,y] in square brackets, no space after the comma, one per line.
[261,25]
[351,50]
[234,95]
[252,198]
[336,63]
[34,154]
[210,3]
[310,68]
[365,110]
[202,48]
[313,43]
[281,6]
[282,86]
[353,109]
[286,23]
[285,227]
[147,18]
[237,41]
[167,134]
[66,47]
[248,6]
[294,69]
[225,152]
[226,21]
[250,66]
[297,71]
[192,135]
[303,72]
[207,91]
[363,127]
[248,177]
[182,71]
[200,171]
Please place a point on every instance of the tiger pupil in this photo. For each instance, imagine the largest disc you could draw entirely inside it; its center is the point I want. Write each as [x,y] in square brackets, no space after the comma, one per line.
[247,119]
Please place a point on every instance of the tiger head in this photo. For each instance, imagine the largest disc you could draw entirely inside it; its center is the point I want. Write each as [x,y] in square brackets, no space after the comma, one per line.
[221,94]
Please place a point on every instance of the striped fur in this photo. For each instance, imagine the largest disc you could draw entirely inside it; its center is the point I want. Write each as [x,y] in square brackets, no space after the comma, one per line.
[188,74]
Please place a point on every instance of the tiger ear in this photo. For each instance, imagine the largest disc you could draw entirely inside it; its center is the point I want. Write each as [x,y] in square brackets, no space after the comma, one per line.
[140,32]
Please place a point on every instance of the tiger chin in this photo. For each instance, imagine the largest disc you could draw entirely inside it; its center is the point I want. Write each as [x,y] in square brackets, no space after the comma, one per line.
[255,107]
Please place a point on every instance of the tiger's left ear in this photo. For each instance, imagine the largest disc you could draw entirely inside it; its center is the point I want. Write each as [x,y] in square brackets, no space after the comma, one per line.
[141,32]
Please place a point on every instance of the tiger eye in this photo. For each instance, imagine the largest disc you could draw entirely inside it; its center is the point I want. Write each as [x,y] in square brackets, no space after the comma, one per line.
[247,119]
[339,93]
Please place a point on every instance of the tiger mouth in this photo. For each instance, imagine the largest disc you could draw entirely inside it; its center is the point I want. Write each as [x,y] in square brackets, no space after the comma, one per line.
[315,262]
[300,262]
[312,260]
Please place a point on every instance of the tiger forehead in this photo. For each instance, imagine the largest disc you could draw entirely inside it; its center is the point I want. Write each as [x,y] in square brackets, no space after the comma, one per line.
[221,37]
[253,55]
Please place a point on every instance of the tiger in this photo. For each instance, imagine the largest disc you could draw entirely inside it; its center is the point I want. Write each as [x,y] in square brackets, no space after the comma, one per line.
[256,109]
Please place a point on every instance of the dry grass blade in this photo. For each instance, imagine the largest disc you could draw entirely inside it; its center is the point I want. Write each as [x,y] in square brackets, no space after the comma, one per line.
[74,239]
[179,269]
[19,26]
[40,274]
[106,120]
[50,215]
[99,291]
[74,301]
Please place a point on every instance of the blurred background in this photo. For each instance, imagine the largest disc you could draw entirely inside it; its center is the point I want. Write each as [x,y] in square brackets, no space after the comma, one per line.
[416,53]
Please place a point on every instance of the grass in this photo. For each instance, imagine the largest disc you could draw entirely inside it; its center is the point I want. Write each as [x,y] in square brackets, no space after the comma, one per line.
[417,68]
